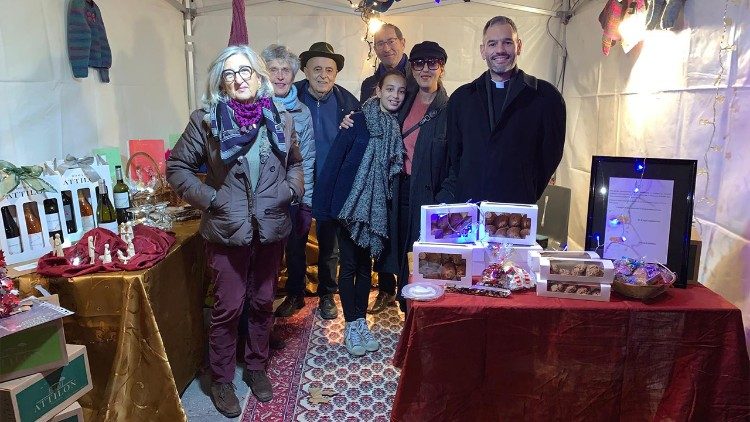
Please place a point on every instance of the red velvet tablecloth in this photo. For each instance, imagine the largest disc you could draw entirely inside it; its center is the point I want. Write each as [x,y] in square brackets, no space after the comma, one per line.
[469,358]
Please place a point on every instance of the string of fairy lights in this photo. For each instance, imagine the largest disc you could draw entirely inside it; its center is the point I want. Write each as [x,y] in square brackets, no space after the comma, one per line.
[726,46]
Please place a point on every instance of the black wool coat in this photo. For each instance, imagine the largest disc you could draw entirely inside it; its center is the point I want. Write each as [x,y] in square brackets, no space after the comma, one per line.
[513,161]
[429,170]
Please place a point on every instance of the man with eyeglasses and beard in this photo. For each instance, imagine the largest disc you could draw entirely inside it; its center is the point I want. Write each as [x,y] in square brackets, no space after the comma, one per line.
[506,129]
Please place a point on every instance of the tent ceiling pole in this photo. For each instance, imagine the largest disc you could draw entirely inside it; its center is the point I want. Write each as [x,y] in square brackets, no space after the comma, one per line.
[342,9]
[189,57]
[514,6]
[177,5]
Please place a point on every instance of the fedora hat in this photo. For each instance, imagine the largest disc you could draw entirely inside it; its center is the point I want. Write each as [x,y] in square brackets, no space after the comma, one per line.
[321,49]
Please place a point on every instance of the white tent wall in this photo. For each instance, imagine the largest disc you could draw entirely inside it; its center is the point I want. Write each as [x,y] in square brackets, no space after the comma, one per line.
[656,102]
[456,25]
[48,113]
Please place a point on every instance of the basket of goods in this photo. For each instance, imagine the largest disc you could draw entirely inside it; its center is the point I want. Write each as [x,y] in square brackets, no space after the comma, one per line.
[149,186]
[641,280]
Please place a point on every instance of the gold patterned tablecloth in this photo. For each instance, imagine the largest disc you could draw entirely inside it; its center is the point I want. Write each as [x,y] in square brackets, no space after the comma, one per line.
[143,331]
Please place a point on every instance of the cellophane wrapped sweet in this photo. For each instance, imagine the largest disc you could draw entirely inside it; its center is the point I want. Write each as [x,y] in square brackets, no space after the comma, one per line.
[8,293]
[639,273]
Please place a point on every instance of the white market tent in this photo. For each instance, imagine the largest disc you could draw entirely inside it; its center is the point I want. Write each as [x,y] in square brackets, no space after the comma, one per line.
[679,94]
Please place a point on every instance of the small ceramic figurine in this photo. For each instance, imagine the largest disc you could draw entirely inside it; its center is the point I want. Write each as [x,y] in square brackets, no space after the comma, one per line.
[107,256]
[58,246]
[121,256]
[92,252]
[131,249]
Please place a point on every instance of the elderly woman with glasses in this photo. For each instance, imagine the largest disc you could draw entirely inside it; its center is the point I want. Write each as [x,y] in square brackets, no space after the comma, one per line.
[254,175]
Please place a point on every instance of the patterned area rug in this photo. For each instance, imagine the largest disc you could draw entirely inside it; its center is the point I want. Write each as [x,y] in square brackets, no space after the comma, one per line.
[315,357]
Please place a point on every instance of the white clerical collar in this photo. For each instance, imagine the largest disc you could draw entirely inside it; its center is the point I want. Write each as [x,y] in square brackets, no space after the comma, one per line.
[500,84]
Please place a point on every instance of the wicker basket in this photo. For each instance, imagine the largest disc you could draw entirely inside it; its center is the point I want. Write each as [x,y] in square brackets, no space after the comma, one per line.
[644,292]
[161,192]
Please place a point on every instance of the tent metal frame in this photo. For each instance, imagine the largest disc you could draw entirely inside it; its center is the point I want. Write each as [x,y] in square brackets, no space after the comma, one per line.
[189,13]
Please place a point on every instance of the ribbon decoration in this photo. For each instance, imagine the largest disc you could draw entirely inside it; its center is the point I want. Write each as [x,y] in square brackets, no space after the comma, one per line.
[84,164]
[28,175]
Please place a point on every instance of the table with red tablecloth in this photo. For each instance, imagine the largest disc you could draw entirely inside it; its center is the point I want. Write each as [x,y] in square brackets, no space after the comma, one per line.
[469,358]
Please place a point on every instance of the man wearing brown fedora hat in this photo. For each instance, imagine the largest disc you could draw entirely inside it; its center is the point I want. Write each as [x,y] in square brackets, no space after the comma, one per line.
[328,104]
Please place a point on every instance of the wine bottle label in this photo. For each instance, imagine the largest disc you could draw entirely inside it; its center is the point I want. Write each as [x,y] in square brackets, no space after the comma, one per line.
[122,200]
[14,245]
[87,222]
[109,226]
[36,241]
[53,222]
[68,210]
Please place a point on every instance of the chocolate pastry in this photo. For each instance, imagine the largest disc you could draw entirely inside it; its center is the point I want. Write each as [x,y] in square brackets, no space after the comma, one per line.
[553,269]
[579,270]
[455,219]
[448,271]
[514,233]
[502,232]
[490,229]
[594,271]
[489,218]
[437,233]
[570,288]
[524,233]
[502,220]
[443,222]
[527,223]
[582,290]
[555,287]
[515,220]
[564,271]
[596,291]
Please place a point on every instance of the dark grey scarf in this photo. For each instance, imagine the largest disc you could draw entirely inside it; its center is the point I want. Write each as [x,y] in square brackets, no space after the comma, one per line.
[365,212]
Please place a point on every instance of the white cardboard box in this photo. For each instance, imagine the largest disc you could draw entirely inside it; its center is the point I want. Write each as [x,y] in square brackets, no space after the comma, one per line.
[443,263]
[543,289]
[75,179]
[72,413]
[31,246]
[546,270]
[535,255]
[508,223]
[449,223]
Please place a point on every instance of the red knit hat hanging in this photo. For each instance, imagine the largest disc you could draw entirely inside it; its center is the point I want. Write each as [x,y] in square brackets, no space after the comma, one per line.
[238,33]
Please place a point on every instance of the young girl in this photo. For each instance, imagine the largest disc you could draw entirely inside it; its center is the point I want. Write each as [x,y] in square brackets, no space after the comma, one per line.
[355,188]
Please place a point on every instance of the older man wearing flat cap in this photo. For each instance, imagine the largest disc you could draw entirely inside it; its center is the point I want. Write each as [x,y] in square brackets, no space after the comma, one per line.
[328,104]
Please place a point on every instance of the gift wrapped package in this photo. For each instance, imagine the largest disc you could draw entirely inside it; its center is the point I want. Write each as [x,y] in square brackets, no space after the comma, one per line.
[507,223]
[31,208]
[570,290]
[579,271]
[533,256]
[449,223]
[444,263]
[80,177]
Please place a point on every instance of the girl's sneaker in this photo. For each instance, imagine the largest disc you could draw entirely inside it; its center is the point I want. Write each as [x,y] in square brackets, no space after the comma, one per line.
[353,339]
[368,340]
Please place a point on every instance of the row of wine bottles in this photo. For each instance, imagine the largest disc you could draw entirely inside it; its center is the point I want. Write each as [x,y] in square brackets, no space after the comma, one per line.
[108,216]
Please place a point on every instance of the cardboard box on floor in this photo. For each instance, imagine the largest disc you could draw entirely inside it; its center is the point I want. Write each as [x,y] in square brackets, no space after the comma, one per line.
[41,396]
[72,413]
[33,341]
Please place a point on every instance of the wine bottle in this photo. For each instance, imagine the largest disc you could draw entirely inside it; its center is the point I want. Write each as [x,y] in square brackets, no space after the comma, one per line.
[52,213]
[87,212]
[106,216]
[12,232]
[122,197]
[33,226]
[70,222]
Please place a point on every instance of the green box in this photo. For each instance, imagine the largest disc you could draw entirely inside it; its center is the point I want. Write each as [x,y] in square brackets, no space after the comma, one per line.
[33,341]
[41,396]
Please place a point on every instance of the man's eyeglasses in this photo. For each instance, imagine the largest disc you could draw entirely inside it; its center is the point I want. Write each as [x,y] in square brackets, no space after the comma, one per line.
[390,41]
[432,64]
[245,72]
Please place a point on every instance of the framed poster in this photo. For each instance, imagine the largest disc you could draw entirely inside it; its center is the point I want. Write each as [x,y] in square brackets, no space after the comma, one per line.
[642,208]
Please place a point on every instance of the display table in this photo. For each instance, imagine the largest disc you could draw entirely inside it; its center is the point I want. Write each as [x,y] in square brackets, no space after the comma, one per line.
[143,331]
[469,358]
